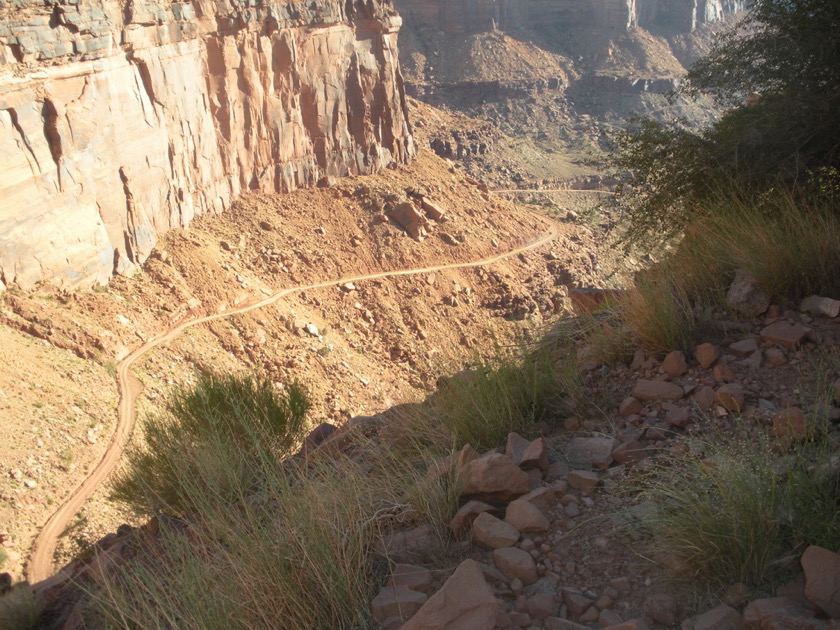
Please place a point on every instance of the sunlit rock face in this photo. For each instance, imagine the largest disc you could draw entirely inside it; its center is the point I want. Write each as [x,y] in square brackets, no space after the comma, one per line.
[475,16]
[121,119]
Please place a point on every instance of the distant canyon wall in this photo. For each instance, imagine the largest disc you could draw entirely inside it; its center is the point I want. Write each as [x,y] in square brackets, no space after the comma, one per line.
[120,119]
[475,16]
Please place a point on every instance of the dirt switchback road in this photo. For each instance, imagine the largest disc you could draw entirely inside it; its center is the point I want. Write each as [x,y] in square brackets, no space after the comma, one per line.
[40,566]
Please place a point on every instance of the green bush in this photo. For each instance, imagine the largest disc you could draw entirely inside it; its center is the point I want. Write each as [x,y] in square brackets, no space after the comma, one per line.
[213,444]
[779,78]
[304,552]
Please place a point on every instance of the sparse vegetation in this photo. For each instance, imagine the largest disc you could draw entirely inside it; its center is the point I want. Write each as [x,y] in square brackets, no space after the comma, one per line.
[214,444]
[268,545]
[731,510]
[18,609]
[482,405]
[776,75]
[790,244]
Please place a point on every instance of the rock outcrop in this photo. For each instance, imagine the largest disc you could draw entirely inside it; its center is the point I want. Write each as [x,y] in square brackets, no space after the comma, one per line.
[122,119]
[475,16]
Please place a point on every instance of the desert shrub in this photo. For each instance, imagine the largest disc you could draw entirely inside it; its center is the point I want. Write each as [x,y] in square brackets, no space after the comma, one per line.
[790,243]
[214,442]
[264,542]
[660,313]
[480,406]
[732,510]
[298,555]
[777,75]
[18,609]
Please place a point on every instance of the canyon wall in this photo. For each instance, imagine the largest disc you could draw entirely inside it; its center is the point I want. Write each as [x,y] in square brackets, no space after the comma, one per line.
[476,16]
[120,119]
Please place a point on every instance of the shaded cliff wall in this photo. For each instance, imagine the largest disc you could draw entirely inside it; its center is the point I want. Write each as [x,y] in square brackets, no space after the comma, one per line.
[476,16]
[120,119]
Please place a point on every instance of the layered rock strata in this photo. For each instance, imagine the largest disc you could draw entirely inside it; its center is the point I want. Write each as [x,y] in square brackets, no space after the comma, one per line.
[476,16]
[121,119]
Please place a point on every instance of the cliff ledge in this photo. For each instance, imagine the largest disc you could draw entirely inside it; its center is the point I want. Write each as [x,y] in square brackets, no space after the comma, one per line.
[121,119]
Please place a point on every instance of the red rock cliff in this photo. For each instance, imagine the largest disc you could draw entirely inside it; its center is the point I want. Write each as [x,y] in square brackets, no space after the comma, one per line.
[120,119]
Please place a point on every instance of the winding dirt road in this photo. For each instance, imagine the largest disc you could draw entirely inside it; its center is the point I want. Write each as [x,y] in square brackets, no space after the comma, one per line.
[40,566]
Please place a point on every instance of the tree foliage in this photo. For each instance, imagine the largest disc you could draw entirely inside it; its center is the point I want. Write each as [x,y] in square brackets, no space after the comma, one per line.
[779,75]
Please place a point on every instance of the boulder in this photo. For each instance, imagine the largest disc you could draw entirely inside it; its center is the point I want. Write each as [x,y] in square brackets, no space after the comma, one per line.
[464,517]
[407,216]
[778,612]
[591,452]
[584,480]
[411,576]
[703,396]
[464,602]
[822,579]
[433,211]
[657,390]
[526,517]
[790,424]
[630,453]
[674,364]
[730,397]
[822,306]
[516,563]
[543,497]
[576,602]
[678,416]
[493,478]
[745,295]
[744,348]
[662,608]
[396,601]
[629,406]
[527,453]
[722,617]
[493,532]
[784,334]
[706,355]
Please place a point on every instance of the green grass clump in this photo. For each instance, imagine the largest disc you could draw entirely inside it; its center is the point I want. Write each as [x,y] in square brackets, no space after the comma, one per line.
[659,313]
[790,243]
[482,405]
[263,543]
[18,609]
[214,442]
[297,556]
[734,511]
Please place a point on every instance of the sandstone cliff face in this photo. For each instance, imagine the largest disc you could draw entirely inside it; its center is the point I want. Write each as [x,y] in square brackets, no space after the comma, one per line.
[475,16]
[120,119]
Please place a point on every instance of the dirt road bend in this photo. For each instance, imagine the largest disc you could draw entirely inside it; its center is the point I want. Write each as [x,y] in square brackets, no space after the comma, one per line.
[40,566]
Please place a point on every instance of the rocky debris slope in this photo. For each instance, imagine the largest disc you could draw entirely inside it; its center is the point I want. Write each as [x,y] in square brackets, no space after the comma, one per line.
[541,521]
[530,568]
[543,524]
[358,347]
[121,120]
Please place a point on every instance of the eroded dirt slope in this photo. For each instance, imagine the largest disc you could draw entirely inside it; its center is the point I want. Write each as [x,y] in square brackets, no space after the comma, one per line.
[358,348]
